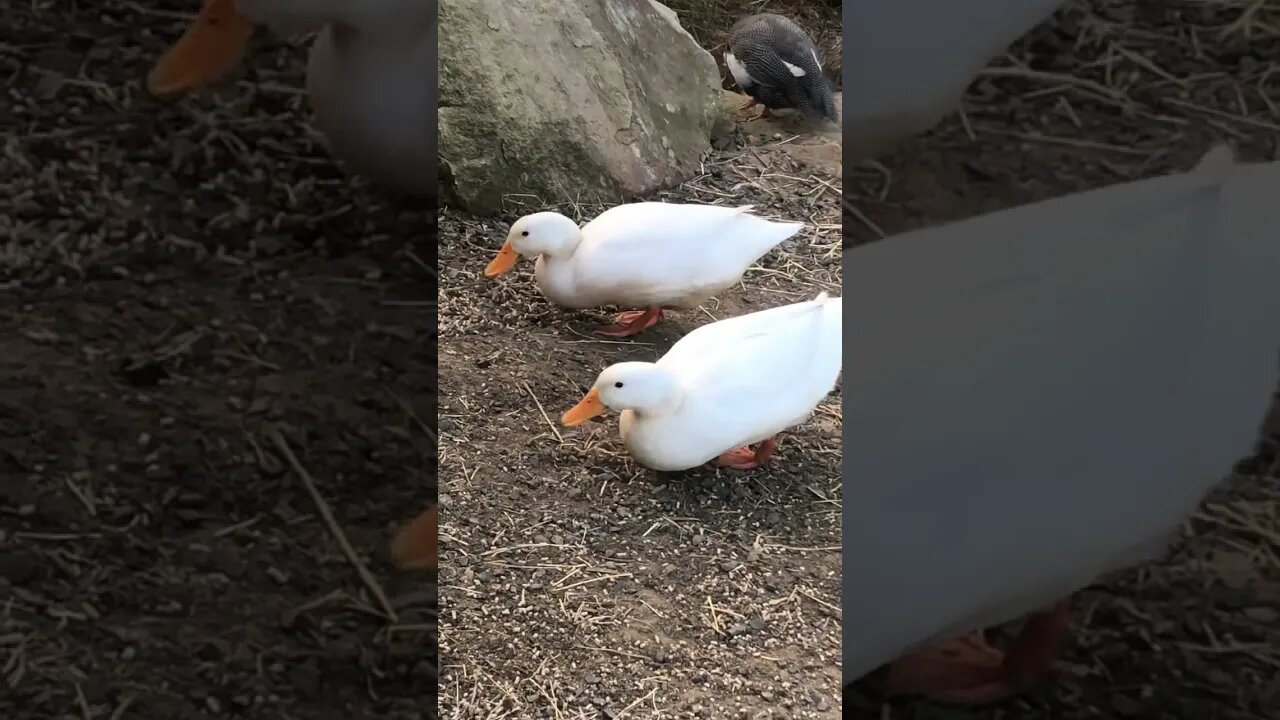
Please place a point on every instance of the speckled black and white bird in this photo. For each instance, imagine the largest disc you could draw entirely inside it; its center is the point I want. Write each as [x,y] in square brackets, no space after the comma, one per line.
[775,62]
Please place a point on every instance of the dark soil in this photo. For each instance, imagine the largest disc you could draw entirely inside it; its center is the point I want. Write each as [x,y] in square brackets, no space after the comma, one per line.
[1196,636]
[180,283]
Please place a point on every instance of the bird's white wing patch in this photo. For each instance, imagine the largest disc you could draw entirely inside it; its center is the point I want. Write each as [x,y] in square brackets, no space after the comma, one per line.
[738,70]
[795,69]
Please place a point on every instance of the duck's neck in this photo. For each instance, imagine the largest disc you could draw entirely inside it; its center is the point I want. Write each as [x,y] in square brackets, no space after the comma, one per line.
[555,278]
[669,406]
[671,402]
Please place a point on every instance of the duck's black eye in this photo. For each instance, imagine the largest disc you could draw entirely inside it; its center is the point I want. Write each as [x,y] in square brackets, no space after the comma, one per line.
[524,234]
[617,384]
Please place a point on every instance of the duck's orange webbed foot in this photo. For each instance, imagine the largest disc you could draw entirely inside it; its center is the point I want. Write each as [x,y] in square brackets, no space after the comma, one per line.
[746,458]
[632,322]
[971,672]
[415,546]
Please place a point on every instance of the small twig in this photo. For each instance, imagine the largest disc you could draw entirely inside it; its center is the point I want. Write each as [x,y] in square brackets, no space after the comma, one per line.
[422,425]
[1075,142]
[83,496]
[546,417]
[1052,77]
[588,581]
[83,703]
[327,515]
[1243,120]
[854,211]
[122,707]
[635,703]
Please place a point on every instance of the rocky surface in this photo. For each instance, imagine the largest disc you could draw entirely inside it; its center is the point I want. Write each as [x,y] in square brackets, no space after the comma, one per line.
[563,100]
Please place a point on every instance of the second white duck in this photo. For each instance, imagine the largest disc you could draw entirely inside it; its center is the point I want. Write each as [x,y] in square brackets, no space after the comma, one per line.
[723,388]
[649,255]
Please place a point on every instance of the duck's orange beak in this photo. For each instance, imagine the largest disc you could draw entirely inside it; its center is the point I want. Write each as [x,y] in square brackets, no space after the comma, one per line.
[210,48]
[588,407]
[415,546]
[505,260]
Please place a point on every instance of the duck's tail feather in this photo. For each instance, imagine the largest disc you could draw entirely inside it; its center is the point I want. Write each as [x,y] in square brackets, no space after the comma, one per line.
[1217,163]
[830,304]
[822,100]
[415,546]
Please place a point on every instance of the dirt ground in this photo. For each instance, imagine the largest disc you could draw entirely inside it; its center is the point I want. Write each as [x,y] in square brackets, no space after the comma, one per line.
[179,283]
[576,584]
[1120,91]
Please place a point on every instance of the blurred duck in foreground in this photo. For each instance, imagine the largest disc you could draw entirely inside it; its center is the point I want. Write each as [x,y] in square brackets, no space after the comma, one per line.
[907,63]
[651,255]
[723,387]
[1053,396]
[369,77]
[415,547]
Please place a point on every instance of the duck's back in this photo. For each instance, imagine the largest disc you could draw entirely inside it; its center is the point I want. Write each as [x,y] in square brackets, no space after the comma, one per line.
[775,61]
[789,354]
[1060,386]
[372,99]
[908,62]
[668,253]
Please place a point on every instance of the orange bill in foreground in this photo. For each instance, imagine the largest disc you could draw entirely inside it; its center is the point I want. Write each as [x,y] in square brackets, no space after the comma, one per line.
[211,47]
[588,407]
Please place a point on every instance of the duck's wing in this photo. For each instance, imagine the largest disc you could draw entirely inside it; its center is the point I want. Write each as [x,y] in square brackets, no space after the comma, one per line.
[663,248]
[736,363]
[773,53]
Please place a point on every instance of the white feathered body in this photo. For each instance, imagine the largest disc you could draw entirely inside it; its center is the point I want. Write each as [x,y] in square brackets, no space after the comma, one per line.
[375,104]
[369,81]
[664,254]
[1057,390]
[744,379]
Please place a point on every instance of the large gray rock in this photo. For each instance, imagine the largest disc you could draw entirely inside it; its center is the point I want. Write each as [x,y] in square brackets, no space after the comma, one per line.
[568,99]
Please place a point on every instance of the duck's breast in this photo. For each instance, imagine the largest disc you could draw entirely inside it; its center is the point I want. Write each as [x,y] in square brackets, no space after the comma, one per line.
[372,101]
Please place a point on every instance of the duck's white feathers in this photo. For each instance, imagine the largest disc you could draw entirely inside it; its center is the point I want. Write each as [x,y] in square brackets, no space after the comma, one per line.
[1058,390]
[369,99]
[367,81]
[743,380]
[668,254]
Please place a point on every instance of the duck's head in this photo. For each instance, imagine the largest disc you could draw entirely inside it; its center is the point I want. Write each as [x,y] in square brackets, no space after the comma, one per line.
[640,386]
[544,233]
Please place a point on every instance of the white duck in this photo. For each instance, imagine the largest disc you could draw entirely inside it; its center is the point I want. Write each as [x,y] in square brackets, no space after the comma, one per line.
[650,254]
[907,63]
[723,387]
[369,77]
[1053,396]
